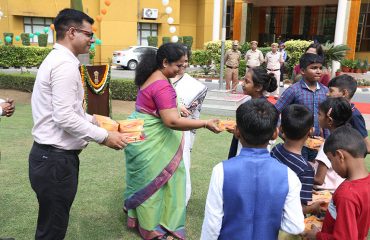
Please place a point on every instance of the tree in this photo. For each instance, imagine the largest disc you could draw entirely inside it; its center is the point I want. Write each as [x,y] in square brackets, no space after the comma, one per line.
[77,5]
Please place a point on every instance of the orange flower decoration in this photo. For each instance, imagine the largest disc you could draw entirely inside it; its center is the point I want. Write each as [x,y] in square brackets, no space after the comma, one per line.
[52,27]
[103,11]
[94,28]
[107,2]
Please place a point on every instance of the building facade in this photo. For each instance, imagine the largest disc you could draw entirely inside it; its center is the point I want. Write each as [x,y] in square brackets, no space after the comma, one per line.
[130,22]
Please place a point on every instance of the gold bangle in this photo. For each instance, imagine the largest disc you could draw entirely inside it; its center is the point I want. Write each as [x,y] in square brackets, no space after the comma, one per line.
[205,125]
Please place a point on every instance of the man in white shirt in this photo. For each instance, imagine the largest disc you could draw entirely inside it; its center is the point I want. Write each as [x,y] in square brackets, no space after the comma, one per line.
[254,56]
[252,195]
[7,107]
[61,126]
[274,59]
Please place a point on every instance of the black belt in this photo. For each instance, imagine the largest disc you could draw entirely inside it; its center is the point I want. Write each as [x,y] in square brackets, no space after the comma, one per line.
[50,148]
[231,67]
[273,69]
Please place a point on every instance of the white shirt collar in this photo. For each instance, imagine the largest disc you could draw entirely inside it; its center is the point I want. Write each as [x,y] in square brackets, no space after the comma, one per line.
[58,46]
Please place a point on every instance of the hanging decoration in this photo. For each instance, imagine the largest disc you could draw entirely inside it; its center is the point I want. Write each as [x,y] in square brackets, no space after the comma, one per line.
[107,3]
[99,18]
[174,39]
[103,11]
[46,29]
[168,10]
[94,28]
[37,33]
[172,29]
[98,41]
[31,35]
[170,20]
[17,38]
[8,39]
[165,2]
[52,27]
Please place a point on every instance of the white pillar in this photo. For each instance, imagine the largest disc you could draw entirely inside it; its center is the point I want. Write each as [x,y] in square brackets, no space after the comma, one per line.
[216,20]
[340,29]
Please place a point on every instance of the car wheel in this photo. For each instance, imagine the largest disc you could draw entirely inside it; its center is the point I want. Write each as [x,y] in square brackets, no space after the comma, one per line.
[132,64]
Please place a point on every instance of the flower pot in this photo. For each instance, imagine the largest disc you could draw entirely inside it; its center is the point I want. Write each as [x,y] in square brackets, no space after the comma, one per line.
[357,70]
[364,70]
[338,73]
[351,70]
[345,69]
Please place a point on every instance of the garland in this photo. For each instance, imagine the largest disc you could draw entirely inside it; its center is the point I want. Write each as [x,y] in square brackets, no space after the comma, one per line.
[96,88]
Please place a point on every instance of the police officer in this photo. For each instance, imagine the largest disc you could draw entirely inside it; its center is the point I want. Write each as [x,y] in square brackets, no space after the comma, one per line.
[232,58]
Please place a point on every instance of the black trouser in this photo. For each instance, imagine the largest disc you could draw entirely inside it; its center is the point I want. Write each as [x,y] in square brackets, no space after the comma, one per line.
[54,178]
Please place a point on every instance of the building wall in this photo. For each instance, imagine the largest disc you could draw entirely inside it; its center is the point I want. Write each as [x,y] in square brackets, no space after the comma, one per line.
[204,22]
[188,19]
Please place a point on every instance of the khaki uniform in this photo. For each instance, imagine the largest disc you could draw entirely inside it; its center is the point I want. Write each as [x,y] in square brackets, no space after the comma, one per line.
[232,59]
[253,58]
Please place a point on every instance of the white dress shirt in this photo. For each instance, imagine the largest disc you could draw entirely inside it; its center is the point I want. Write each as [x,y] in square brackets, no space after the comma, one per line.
[57,98]
[332,179]
[1,109]
[273,60]
[292,220]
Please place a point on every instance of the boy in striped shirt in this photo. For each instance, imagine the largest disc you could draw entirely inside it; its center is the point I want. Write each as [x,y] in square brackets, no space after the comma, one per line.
[296,125]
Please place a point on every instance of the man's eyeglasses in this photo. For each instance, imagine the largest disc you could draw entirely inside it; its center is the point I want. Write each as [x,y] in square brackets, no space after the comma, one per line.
[86,33]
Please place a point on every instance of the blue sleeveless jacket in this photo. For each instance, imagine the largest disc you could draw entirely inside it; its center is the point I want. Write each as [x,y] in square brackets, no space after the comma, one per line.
[254,192]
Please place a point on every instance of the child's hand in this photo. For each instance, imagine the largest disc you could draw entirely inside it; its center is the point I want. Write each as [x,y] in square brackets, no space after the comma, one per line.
[311,234]
[315,208]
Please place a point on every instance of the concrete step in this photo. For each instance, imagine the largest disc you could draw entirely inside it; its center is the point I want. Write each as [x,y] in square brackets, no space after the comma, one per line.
[214,109]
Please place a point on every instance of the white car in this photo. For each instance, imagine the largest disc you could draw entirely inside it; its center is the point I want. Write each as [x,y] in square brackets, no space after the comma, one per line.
[129,57]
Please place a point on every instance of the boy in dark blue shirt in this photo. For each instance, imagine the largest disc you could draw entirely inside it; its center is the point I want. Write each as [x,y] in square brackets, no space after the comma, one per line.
[296,126]
[308,92]
[346,86]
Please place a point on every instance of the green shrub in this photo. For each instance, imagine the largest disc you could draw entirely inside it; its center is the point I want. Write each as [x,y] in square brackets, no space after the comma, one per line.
[25,39]
[20,56]
[153,41]
[166,40]
[180,40]
[188,41]
[121,89]
[213,48]
[10,35]
[244,48]
[295,49]
[43,39]
[202,58]
[22,82]
[242,68]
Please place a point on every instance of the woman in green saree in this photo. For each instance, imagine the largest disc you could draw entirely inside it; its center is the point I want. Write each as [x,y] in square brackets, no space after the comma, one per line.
[155,174]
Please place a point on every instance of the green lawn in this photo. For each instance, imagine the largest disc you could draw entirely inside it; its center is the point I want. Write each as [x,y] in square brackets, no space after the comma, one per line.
[97,209]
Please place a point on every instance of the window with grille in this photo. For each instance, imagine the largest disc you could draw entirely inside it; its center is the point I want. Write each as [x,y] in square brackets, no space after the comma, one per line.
[145,30]
[37,24]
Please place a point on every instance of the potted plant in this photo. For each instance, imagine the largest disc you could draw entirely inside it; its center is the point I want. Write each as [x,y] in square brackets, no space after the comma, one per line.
[364,66]
[334,53]
[346,65]
[338,72]
[357,66]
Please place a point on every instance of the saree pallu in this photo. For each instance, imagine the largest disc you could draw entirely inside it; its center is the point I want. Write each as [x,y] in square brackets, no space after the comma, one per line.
[155,181]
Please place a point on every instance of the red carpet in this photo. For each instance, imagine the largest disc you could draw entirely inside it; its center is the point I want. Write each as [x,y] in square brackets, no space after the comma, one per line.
[364,108]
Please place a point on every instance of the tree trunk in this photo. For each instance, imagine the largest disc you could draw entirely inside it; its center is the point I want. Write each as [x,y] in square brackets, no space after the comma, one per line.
[77,5]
